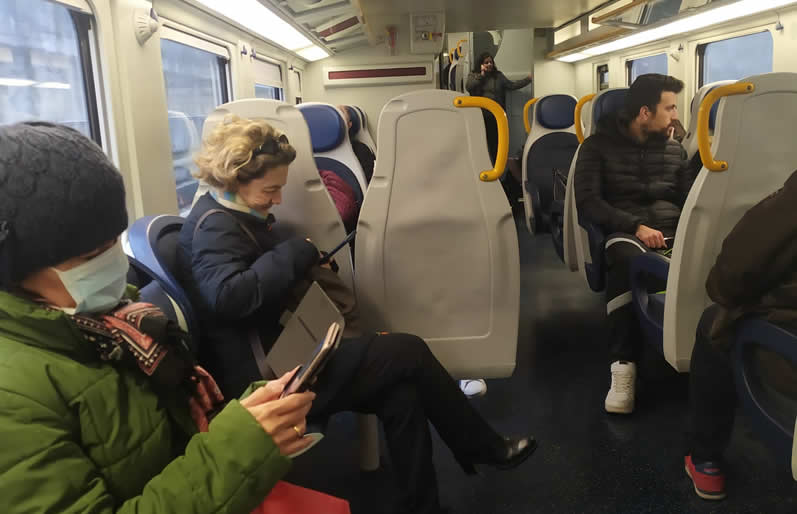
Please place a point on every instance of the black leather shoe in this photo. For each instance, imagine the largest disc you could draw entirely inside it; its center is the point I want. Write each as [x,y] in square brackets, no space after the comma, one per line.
[512,454]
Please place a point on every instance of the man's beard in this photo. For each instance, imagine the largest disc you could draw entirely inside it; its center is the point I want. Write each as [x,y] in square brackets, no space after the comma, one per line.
[657,135]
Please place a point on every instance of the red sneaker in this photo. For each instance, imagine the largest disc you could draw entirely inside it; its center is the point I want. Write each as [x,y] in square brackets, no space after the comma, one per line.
[708,479]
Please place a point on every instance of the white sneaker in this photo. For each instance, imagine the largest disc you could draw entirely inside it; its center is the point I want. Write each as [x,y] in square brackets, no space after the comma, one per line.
[473,388]
[620,399]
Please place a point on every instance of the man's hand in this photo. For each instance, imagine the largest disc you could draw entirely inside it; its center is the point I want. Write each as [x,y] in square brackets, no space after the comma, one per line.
[651,237]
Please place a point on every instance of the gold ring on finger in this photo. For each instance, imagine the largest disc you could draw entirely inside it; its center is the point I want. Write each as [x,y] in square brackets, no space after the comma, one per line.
[298,432]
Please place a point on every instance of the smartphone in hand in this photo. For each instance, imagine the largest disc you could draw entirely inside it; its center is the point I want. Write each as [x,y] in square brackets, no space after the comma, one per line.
[305,377]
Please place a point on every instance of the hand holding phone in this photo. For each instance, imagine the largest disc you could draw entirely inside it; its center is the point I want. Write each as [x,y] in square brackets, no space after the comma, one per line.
[306,376]
[278,416]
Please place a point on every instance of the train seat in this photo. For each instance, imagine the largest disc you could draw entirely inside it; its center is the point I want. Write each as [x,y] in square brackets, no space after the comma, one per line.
[154,292]
[362,134]
[582,118]
[153,243]
[753,153]
[549,148]
[437,249]
[589,237]
[331,146]
[307,208]
[690,140]
[770,405]
[452,77]
[650,306]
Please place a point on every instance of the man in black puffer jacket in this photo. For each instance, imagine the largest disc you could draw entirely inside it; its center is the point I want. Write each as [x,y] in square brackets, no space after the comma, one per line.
[632,180]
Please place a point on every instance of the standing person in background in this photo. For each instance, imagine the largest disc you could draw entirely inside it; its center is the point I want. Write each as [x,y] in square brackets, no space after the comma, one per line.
[490,83]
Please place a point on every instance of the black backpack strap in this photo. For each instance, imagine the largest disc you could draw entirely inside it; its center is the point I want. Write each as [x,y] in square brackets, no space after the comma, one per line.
[254,338]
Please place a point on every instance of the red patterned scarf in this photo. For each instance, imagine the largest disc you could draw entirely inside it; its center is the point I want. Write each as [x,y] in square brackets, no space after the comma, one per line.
[139,336]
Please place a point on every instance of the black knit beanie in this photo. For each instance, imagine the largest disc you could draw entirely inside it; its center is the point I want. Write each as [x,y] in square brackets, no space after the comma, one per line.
[60,197]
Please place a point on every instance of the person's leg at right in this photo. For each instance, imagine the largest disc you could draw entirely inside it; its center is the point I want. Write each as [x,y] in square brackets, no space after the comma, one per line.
[712,408]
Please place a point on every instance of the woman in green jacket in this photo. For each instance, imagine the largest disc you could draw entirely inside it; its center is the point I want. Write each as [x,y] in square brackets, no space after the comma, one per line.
[101,408]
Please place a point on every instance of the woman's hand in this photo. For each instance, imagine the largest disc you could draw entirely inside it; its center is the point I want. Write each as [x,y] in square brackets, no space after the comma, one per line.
[484,69]
[282,418]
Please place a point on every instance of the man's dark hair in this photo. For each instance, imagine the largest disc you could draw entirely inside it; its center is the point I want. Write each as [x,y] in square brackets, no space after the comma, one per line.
[477,68]
[646,91]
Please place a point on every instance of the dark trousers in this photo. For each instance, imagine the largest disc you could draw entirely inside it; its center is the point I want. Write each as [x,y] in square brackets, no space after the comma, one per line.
[712,395]
[401,381]
[625,336]
[492,134]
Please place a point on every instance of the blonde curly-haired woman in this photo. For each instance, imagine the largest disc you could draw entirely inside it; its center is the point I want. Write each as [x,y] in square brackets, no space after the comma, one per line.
[238,269]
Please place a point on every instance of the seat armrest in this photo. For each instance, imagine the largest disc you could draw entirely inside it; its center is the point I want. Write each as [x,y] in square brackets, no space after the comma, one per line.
[767,335]
[764,334]
[649,263]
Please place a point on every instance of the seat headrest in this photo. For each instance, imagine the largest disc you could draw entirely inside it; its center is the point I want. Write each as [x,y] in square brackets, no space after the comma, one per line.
[327,128]
[556,112]
[608,103]
[362,116]
[354,116]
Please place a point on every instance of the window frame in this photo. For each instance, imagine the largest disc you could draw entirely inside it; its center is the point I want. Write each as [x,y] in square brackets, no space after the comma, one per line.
[84,27]
[599,69]
[222,50]
[297,98]
[258,56]
[200,41]
[701,44]
[84,23]
[629,62]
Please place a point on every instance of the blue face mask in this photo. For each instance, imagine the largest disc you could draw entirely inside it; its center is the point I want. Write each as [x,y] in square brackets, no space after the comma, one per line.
[99,284]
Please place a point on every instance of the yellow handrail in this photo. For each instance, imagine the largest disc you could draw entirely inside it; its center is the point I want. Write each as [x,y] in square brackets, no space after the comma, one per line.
[459,47]
[526,108]
[577,116]
[503,133]
[703,115]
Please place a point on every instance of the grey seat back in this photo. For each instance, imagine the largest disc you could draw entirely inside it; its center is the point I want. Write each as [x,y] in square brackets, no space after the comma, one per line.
[437,249]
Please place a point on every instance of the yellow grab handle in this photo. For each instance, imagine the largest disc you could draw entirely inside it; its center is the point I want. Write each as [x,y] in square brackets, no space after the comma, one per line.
[459,47]
[503,133]
[577,116]
[526,108]
[703,115]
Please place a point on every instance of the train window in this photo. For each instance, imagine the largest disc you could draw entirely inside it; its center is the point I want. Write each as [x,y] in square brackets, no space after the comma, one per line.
[735,58]
[268,80]
[652,64]
[46,68]
[603,77]
[297,76]
[195,76]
